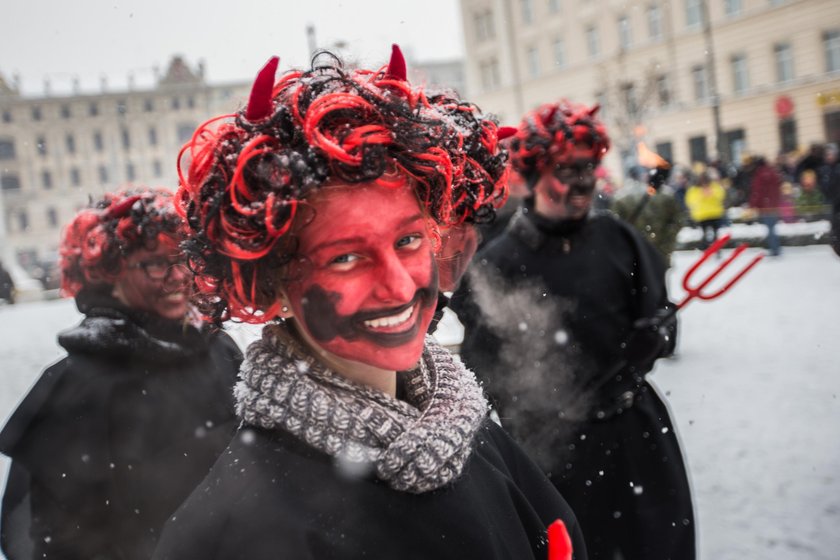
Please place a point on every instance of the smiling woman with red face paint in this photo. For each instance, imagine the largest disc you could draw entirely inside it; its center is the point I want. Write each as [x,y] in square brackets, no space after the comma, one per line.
[333,208]
[112,438]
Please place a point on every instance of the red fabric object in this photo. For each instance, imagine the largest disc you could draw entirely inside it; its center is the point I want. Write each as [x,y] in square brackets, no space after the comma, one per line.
[559,542]
[766,189]
[259,103]
[396,67]
[506,132]
[560,133]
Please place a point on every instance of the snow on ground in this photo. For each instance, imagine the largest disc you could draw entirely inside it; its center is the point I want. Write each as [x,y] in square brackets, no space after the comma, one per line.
[754,391]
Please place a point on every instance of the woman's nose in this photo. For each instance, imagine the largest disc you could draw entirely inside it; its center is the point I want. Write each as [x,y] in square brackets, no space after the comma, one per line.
[395,283]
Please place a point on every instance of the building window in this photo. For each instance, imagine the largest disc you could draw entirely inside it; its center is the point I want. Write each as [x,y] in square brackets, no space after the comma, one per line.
[559,49]
[122,107]
[831,45]
[65,112]
[103,175]
[527,9]
[9,182]
[7,116]
[37,115]
[733,7]
[783,54]
[629,100]
[489,70]
[625,38]
[148,105]
[665,150]
[787,135]
[75,177]
[693,15]
[23,220]
[697,149]
[176,103]
[52,217]
[130,174]
[593,46]
[157,168]
[125,136]
[701,84]
[663,90]
[93,109]
[185,132]
[554,6]
[654,19]
[41,145]
[484,25]
[533,56]
[7,149]
[70,143]
[98,144]
[153,137]
[46,179]
[740,77]
[832,127]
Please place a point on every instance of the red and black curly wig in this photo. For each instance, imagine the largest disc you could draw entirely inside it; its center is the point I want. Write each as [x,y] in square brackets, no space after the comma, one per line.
[560,133]
[249,173]
[95,244]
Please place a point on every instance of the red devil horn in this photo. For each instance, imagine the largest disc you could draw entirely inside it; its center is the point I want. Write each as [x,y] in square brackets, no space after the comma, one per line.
[396,67]
[506,132]
[123,208]
[594,109]
[259,104]
[548,118]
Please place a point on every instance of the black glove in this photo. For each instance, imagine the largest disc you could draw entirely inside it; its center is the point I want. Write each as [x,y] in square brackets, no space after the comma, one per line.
[651,338]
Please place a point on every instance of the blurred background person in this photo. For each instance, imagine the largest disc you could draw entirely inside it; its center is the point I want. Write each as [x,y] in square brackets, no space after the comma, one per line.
[706,205]
[766,199]
[114,436]
[7,285]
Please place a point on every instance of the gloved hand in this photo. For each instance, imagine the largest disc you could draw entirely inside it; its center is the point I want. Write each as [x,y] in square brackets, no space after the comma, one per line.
[650,338]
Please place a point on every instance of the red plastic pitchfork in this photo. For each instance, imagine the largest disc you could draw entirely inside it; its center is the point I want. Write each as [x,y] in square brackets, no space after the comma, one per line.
[559,542]
[697,292]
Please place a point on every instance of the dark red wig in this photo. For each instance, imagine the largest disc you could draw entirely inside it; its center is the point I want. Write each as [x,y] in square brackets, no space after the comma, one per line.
[249,173]
[95,244]
[561,133]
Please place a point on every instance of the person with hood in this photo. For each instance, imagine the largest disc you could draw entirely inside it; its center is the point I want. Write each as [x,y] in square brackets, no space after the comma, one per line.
[562,320]
[321,210]
[113,437]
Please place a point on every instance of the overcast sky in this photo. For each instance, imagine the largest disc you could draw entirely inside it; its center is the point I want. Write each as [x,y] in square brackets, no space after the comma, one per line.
[63,39]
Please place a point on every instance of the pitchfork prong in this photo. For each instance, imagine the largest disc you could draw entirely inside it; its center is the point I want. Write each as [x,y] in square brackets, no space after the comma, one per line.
[697,292]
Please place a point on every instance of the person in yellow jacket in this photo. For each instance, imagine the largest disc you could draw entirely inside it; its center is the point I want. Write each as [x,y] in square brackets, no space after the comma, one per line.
[705,202]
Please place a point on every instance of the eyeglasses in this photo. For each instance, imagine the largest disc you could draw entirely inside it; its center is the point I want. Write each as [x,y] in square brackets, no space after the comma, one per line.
[160,269]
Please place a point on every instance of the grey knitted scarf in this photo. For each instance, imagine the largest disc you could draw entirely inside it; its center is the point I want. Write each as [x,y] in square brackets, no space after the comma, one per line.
[416,445]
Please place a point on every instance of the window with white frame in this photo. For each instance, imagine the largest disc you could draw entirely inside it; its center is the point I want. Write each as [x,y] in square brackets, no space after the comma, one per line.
[533,57]
[700,82]
[527,8]
[489,71]
[654,19]
[693,13]
[663,90]
[733,7]
[625,38]
[559,49]
[483,22]
[554,6]
[831,45]
[593,46]
[740,76]
[783,55]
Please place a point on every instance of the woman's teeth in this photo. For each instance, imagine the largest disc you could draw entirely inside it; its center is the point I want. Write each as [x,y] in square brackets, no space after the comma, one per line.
[391,321]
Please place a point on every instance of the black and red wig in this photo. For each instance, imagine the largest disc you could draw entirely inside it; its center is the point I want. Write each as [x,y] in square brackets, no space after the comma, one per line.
[249,173]
[561,133]
[96,243]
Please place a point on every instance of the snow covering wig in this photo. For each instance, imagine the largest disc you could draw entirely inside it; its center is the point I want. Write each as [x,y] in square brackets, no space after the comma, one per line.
[98,240]
[249,173]
[561,133]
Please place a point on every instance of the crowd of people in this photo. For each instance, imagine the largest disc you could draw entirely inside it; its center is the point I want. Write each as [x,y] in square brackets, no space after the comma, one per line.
[343,210]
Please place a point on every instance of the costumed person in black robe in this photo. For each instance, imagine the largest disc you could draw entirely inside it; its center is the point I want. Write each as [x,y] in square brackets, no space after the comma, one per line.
[560,323]
[112,438]
[319,210]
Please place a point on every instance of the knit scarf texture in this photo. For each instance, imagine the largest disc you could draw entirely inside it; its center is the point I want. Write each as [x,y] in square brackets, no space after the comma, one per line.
[414,445]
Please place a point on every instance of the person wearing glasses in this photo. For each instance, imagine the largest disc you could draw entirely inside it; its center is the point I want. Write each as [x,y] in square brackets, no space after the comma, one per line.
[560,319]
[115,435]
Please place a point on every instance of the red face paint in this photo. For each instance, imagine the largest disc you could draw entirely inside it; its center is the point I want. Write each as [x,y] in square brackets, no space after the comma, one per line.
[365,286]
[566,192]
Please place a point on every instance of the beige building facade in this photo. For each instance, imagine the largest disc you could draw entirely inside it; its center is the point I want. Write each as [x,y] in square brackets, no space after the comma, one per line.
[58,151]
[655,68]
